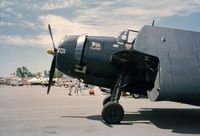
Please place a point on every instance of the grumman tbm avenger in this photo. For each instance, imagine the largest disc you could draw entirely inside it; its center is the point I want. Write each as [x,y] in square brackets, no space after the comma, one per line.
[162,64]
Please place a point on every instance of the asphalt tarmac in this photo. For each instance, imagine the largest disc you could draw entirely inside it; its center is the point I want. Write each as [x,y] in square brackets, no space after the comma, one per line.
[29,111]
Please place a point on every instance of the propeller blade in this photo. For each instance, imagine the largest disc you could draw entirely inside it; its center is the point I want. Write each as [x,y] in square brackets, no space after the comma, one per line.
[153,23]
[51,37]
[52,70]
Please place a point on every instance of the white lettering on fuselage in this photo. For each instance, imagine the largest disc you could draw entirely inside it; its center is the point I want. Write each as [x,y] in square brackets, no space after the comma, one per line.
[61,50]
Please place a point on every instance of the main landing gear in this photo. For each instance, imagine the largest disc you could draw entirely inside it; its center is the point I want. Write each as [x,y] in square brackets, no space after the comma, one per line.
[113,112]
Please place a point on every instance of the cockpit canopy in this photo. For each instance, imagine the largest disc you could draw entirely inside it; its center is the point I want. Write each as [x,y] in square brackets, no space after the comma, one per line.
[127,36]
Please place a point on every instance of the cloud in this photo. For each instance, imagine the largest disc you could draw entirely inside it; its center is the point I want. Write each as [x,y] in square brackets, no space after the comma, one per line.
[52,5]
[9,11]
[124,12]
[28,24]
[5,3]
[4,15]
[40,41]
[92,18]
[60,28]
[2,23]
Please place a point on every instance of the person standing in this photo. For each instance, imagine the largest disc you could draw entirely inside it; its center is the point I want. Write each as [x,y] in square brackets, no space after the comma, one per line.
[76,87]
[71,87]
[82,85]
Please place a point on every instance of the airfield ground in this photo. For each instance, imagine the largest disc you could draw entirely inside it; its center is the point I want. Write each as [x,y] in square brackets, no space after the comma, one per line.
[29,111]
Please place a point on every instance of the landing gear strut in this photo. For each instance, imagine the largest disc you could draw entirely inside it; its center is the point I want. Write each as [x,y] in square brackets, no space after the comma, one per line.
[113,112]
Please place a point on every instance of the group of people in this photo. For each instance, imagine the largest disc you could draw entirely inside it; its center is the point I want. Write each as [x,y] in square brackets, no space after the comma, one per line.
[76,86]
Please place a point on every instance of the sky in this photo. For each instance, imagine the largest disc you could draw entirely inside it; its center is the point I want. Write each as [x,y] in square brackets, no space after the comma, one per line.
[24,36]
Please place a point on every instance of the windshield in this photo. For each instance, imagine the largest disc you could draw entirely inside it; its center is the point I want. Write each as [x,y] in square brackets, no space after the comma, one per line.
[122,36]
[131,36]
[127,36]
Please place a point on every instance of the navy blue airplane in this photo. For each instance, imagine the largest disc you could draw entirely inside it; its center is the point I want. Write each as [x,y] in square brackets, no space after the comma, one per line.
[162,64]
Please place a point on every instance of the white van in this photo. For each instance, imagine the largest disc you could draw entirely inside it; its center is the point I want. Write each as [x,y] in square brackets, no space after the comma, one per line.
[15,82]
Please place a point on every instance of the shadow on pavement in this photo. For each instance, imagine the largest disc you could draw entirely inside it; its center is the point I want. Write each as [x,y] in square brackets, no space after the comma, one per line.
[185,121]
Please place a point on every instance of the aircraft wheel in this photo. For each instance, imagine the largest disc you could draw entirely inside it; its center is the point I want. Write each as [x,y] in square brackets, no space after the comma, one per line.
[136,96]
[112,113]
[106,99]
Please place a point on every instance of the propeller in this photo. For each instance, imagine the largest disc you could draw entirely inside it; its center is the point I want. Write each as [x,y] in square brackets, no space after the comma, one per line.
[153,23]
[49,26]
[53,64]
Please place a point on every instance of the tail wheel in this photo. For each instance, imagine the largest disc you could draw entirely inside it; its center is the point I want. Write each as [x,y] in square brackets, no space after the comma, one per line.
[113,113]
[136,96]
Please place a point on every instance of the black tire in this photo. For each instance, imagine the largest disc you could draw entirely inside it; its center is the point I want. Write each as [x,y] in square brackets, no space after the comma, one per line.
[136,96]
[106,99]
[112,113]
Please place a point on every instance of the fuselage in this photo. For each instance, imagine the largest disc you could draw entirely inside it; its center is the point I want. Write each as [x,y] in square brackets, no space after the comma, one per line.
[91,62]
[179,68]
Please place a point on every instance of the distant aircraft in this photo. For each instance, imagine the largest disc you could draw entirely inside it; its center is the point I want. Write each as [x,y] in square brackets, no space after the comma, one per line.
[162,64]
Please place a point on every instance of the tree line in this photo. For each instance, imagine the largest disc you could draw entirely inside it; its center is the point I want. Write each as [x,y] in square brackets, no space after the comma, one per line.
[24,72]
